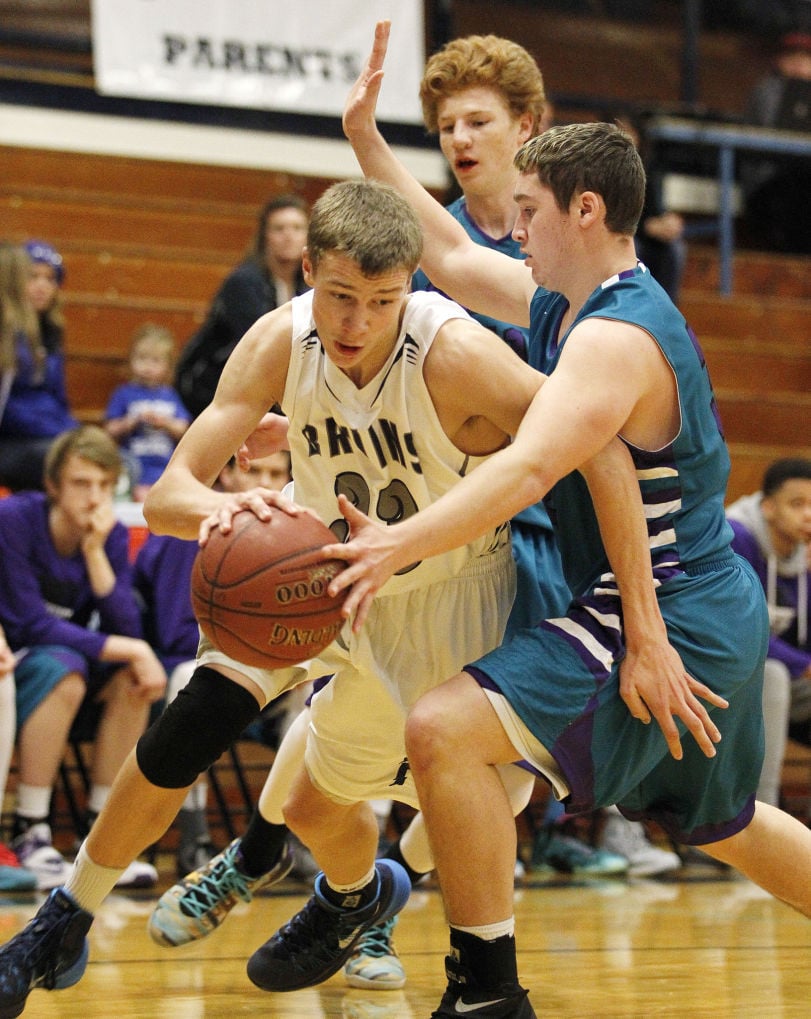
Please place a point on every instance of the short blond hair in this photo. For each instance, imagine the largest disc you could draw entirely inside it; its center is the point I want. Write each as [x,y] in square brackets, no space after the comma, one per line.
[368,221]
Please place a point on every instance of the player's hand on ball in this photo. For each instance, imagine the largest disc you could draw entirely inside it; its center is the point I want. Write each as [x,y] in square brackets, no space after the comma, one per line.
[262,502]
[373,553]
[260,592]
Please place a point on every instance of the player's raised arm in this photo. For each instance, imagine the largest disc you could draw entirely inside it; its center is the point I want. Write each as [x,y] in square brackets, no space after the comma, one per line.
[482,280]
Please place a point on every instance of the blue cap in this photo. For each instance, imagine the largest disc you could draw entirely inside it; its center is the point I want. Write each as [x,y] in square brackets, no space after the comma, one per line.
[41,251]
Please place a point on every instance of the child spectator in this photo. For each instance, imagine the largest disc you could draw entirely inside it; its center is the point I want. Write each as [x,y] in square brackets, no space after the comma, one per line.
[146,416]
[70,615]
[773,531]
[33,401]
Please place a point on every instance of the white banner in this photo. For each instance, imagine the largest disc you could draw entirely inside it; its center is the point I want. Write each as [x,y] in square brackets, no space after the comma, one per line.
[298,57]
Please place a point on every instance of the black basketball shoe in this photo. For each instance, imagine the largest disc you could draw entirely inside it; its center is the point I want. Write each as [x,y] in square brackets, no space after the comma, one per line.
[464,996]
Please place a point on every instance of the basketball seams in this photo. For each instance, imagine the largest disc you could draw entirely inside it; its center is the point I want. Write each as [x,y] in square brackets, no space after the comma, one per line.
[275,613]
[273,564]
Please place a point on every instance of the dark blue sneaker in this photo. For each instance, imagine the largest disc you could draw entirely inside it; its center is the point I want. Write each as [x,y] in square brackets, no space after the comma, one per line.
[321,937]
[50,952]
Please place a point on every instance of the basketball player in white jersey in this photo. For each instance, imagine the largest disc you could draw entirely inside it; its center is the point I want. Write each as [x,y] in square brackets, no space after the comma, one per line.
[392,398]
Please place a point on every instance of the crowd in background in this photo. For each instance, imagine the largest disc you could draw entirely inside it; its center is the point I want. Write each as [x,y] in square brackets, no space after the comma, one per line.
[96,640]
[168,385]
[92,642]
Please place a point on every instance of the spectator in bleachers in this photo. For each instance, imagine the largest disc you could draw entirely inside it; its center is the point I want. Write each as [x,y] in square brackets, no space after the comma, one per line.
[660,237]
[146,415]
[773,531]
[266,279]
[45,279]
[69,612]
[162,579]
[13,876]
[33,400]
[778,214]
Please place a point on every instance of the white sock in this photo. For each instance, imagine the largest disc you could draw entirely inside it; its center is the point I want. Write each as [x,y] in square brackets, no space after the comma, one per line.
[89,883]
[97,798]
[33,801]
[355,886]
[489,931]
[196,797]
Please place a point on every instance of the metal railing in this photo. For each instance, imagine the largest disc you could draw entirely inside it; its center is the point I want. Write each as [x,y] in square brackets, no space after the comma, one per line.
[729,140]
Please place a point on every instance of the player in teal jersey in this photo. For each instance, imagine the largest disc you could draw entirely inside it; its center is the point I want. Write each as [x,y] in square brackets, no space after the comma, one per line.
[484,96]
[568,696]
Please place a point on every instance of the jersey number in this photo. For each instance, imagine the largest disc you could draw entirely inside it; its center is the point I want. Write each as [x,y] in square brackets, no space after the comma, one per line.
[394,503]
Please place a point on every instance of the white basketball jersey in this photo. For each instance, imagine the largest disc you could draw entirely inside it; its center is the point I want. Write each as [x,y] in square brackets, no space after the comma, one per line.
[382,445]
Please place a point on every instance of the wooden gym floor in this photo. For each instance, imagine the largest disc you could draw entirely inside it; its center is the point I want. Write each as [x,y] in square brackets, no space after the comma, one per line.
[703,943]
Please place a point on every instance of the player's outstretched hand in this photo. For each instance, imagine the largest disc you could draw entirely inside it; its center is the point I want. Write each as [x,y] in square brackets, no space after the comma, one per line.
[654,683]
[373,553]
[359,108]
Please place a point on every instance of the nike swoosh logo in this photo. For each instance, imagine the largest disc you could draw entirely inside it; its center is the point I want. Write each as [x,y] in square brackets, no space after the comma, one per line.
[460,1008]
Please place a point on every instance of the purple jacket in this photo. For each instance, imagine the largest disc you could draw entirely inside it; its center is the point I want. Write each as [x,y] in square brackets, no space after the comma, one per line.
[46,598]
[162,578]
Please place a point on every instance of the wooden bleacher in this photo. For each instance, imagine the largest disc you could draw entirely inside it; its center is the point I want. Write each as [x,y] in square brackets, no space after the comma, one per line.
[147,240]
[142,240]
[758,349]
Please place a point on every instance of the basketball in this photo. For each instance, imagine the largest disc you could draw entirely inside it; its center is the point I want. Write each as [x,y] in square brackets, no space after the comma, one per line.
[260,592]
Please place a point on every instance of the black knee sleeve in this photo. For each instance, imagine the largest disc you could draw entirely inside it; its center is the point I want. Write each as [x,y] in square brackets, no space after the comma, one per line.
[205,718]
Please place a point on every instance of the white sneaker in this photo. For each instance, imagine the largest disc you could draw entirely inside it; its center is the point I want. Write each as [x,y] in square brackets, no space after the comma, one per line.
[35,851]
[138,875]
[628,838]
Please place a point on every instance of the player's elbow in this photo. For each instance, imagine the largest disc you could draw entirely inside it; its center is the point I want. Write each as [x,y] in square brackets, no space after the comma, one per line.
[156,513]
[534,479]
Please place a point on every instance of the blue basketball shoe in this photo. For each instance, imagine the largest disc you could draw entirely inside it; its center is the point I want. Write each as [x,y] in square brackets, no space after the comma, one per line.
[321,937]
[50,952]
[200,902]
